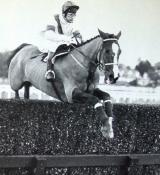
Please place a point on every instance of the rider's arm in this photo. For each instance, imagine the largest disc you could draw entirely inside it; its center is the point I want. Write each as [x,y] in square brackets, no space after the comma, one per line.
[51,33]
[53,36]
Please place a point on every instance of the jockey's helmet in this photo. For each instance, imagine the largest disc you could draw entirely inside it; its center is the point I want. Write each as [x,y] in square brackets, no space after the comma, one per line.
[69,7]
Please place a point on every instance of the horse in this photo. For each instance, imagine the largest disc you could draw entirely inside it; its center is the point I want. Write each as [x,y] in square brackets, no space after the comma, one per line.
[77,74]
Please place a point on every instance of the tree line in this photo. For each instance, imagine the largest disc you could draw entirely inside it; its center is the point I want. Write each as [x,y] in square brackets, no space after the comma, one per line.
[4,56]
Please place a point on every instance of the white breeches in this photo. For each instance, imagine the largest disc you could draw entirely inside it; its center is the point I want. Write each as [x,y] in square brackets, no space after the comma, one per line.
[48,45]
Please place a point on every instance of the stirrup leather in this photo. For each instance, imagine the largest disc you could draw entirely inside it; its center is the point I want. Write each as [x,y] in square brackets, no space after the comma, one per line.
[48,71]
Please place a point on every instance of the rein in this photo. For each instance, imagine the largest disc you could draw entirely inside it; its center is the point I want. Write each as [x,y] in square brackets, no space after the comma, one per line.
[101,66]
[91,70]
[82,55]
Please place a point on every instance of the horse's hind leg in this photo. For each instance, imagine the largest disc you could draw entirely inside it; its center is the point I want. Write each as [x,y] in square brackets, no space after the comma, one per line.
[17,94]
[26,90]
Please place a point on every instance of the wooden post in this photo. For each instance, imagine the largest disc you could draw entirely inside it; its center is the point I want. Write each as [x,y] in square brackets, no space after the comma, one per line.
[123,170]
[40,166]
[131,162]
[134,161]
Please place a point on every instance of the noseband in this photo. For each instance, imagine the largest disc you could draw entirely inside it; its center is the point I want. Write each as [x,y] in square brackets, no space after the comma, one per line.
[101,65]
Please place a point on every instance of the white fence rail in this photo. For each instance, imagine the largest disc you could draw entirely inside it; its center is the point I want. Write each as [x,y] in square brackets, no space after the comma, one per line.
[130,94]
[119,94]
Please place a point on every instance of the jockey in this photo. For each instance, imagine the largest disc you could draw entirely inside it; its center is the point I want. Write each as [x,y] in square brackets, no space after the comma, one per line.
[60,32]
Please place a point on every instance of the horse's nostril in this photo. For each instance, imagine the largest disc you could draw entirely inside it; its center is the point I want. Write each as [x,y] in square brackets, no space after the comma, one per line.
[111,76]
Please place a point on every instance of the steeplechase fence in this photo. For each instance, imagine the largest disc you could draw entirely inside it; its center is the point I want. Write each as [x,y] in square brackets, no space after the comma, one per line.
[37,164]
[43,137]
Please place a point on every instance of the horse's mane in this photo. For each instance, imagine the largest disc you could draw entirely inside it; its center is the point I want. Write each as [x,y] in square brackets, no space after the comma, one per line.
[87,41]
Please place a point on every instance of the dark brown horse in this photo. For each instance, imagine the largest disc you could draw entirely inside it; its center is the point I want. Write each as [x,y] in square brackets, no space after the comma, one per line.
[76,74]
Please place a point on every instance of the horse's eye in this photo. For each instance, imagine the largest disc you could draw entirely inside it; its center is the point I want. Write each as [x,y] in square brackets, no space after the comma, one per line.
[107,51]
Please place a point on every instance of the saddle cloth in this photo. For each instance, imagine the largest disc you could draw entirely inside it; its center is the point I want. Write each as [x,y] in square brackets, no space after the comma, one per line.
[62,50]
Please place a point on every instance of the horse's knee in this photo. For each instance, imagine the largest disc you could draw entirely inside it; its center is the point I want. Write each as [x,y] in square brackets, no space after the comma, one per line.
[108,106]
[82,97]
[101,94]
[107,99]
[94,100]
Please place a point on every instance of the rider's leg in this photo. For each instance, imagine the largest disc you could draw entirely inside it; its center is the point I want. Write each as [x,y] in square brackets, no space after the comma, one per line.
[50,75]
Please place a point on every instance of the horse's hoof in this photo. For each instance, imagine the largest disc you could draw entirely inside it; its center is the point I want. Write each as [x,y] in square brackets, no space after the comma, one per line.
[107,133]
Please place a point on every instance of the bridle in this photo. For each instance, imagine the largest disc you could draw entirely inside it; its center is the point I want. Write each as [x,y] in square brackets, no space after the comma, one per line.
[101,65]
[98,64]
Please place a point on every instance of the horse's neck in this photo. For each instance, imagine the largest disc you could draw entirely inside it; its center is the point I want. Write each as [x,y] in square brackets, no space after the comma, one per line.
[91,49]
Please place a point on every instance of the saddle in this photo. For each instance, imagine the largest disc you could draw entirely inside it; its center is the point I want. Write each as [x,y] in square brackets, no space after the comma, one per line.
[62,50]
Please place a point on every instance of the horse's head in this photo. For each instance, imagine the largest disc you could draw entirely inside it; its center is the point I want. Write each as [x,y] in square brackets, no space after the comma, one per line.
[109,56]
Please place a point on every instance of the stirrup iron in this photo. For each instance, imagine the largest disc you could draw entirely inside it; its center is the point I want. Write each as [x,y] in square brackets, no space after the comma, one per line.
[51,72]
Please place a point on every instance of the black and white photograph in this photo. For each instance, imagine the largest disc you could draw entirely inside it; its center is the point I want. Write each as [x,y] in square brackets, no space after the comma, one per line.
[79,87]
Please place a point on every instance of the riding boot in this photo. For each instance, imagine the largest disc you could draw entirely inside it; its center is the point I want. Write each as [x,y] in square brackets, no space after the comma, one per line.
[50,74]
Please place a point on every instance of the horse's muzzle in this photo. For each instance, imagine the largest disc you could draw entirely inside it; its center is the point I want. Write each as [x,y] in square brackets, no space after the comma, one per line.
[111,79]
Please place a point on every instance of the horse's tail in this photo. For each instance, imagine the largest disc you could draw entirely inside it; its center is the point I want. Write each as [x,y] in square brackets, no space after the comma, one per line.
[13,53]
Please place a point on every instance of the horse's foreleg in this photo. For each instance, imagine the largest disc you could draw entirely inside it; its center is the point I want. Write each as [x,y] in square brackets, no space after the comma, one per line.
[106,100]
[26,90]
[81,97]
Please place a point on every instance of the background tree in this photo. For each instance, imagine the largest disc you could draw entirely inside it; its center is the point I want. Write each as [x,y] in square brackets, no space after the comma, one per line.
[4,64]
[157,66]
[144,67]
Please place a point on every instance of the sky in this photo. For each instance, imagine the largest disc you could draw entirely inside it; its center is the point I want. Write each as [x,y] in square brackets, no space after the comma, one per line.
[138,20]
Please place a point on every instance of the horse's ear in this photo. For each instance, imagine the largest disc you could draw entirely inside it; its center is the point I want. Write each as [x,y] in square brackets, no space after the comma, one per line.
[118,35]
[99,31]
[102,34]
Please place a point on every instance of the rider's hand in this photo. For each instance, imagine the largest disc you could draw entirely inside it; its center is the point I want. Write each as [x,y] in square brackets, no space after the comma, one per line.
[76,34]
[70,41]
[67,40]
[78,37]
